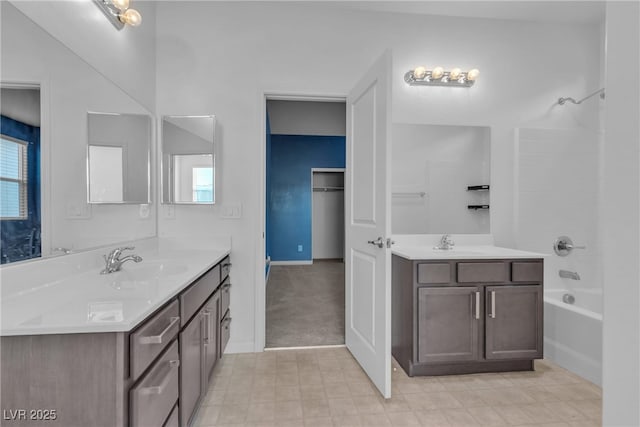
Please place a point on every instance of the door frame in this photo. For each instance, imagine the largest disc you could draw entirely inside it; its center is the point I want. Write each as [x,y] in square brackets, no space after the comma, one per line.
[335,170]
[260,308]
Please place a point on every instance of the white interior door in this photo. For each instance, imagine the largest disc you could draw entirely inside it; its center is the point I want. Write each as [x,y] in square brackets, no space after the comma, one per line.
[367,186]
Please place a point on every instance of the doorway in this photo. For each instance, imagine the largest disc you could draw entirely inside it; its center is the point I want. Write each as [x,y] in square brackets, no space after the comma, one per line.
[304,241]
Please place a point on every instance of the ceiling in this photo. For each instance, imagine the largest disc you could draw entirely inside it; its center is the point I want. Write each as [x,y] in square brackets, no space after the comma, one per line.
[581,12]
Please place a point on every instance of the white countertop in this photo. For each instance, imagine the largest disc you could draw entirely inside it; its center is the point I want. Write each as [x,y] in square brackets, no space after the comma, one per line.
[69,295]
[462,252]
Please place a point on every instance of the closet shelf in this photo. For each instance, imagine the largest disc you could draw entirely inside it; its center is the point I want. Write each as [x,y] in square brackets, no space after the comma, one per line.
[328,188]
[478,188]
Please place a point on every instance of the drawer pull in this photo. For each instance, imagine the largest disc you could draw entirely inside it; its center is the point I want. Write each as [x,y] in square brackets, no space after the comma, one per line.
[477,305]
[157,339]
[226,322]
[226,286]
[226,264]
[159,389]
[493,305]
[207,323]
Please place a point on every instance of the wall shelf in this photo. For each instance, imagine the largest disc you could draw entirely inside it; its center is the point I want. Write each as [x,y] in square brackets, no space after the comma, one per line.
[478,188]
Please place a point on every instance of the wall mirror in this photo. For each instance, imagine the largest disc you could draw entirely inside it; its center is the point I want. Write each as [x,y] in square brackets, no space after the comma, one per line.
[440,179]
[188,160]
[118,158]
[51,89]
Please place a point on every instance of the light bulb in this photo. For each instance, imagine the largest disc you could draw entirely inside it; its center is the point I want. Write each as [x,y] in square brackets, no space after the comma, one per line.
[121,4]
[131,17]
[472,75]
[437,72]
[454,74]
[419,73]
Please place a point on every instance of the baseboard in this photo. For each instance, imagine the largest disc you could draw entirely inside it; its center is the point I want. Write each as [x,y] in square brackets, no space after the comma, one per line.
[240,347]
[305,262]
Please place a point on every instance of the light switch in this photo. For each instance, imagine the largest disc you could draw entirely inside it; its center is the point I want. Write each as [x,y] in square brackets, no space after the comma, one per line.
[231,210]
[78,210]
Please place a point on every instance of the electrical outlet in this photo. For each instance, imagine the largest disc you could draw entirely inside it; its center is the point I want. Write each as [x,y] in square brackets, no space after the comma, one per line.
[299,248]
[144,211]
[169,211]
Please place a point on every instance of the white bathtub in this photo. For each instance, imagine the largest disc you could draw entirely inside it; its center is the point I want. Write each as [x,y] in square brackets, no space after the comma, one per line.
[573,332]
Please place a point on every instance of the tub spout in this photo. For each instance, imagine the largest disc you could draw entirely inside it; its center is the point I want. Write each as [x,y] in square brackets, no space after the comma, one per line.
[565,274]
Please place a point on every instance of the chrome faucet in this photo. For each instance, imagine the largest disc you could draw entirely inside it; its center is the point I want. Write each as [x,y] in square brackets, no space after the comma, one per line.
[446,243]
[113,262]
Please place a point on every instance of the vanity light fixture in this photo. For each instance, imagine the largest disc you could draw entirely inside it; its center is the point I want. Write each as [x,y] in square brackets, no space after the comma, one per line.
[439,77]
[119,13]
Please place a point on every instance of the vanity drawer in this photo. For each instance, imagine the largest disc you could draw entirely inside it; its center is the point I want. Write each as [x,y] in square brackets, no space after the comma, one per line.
[225,296]
[225,332]
[434,273]
[148,341]
[479,272]
[225,266]
[153,398]
[526,272]
[193,298]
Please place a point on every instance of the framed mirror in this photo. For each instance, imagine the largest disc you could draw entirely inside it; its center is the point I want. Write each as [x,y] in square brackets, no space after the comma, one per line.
[118,151]
[188,160]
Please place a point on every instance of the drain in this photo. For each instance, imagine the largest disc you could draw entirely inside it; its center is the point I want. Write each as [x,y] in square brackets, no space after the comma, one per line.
[568,299]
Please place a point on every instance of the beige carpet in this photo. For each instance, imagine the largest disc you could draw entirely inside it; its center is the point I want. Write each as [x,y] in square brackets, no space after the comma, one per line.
[305,304]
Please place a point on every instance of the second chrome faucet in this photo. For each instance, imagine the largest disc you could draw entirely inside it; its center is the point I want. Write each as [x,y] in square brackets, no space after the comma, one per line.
[446,243]
[113,262]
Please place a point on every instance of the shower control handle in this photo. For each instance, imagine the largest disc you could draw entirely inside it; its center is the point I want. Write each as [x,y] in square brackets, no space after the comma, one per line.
[564,245]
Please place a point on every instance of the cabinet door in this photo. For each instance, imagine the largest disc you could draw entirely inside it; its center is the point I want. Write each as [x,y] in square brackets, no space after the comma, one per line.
[211,339]
[448,324]
[514,322]
[191,368]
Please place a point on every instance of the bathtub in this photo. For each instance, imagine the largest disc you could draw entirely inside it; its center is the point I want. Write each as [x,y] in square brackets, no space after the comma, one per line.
[573,332]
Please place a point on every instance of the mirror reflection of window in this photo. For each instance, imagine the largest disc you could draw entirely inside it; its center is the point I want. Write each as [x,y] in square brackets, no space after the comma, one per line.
[105,174]
[193,178]
[203,184]
[13,178]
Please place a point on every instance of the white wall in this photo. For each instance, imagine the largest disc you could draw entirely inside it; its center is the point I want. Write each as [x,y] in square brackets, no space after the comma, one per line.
[307,118]
[21,104]
[557,176]
[441,161]
[219,58]
[126,57]
[69,89]
[621,333]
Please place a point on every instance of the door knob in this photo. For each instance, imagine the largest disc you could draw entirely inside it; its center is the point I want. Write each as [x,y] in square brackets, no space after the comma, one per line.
[379,242]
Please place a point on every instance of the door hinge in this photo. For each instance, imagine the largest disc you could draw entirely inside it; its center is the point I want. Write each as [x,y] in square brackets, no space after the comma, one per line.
[390,242]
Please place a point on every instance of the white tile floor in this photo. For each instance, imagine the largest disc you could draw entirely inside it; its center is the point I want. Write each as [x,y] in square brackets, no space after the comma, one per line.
[326,387]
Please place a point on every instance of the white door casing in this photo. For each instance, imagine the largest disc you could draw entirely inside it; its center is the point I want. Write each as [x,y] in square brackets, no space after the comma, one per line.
[367,208]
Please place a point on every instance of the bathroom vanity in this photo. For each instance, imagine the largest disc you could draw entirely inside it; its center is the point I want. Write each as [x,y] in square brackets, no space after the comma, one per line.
[133,348]
[467,310]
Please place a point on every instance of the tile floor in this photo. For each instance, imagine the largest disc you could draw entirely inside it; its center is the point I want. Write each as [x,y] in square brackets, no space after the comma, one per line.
[326,387]
[305,304]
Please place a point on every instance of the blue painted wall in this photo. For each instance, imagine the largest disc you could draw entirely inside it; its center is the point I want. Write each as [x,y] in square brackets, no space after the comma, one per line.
[289,190]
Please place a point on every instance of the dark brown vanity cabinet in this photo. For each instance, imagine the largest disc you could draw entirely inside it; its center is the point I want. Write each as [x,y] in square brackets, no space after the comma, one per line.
[454,317]
[448,324]
[513,322]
